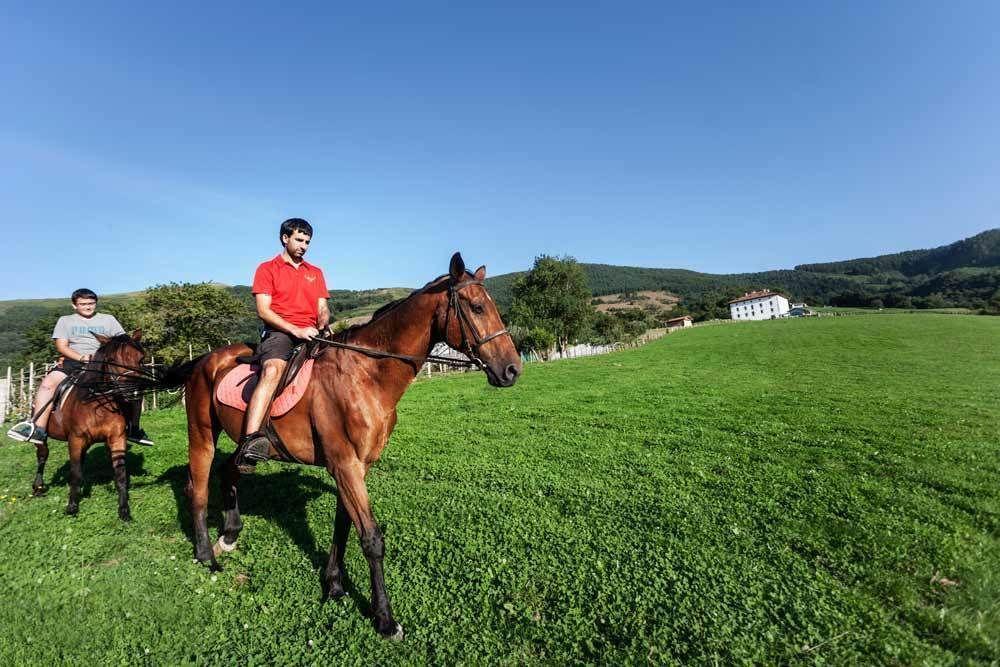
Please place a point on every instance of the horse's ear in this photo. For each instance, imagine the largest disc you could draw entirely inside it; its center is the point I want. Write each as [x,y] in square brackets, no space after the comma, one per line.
[137,335]
[101,338]
[480,273]
[457,268]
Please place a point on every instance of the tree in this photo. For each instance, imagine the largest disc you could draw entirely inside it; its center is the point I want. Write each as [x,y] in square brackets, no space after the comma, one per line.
[554,297]
[606,328]
[39,344]
[540,340]
[176,315]
[993,307]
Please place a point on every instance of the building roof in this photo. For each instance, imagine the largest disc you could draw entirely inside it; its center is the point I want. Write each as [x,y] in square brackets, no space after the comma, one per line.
[678,319]
[762,294]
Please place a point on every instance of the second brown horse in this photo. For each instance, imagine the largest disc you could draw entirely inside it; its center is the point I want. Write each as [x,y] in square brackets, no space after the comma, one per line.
[347,413]
[86,417]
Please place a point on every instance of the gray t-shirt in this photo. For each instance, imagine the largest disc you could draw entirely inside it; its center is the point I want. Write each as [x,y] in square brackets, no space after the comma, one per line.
[80,330]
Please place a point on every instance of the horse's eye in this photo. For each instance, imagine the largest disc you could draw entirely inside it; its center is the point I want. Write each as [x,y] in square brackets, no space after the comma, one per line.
[478,309]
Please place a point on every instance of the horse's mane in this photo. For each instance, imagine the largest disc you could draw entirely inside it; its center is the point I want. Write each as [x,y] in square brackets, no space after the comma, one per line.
[343,335]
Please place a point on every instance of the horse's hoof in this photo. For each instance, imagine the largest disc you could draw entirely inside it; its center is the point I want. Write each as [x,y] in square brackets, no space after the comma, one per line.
[393,633]
[72,510]
[222,547]
[125,516]
[334,591]
[39,491]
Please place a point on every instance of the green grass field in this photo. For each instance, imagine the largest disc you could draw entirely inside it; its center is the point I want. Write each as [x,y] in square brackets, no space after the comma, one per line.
[821,490]
[890,311]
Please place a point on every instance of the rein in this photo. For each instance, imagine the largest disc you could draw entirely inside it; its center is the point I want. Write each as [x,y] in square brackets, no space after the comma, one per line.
[470,348]
[373,352]
[112,383]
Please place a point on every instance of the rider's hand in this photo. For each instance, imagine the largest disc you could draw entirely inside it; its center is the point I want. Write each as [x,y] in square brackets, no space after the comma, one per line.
[85,358]
[307,333]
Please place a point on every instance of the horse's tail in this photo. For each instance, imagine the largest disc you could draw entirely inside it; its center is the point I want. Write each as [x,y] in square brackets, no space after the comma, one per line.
[177,373]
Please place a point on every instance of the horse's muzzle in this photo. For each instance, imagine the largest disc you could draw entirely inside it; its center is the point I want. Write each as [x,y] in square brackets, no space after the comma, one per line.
[506,378]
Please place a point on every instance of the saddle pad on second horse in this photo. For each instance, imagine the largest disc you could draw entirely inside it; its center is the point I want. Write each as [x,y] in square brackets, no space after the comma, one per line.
[237,387]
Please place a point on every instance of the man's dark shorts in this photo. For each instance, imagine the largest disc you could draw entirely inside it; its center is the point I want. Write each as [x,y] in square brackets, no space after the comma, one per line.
[275,345]
[70,366]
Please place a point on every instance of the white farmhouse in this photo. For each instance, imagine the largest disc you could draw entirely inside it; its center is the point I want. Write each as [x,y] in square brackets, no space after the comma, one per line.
[763,305]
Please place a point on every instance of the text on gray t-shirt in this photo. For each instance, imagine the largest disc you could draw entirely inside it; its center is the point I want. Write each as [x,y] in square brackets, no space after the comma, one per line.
[79,330]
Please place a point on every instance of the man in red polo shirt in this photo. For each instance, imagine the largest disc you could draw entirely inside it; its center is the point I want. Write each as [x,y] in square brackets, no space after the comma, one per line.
[291,299]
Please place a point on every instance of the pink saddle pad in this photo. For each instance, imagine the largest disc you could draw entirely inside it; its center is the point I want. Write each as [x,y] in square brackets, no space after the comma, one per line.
[237,387]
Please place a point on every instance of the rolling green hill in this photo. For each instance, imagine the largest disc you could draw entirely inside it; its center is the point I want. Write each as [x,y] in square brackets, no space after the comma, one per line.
[965,274]
[981,250]
[915,279]
[608,279]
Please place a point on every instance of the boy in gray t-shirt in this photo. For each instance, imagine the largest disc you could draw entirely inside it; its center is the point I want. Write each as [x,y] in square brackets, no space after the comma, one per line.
[78,331]
[75,341]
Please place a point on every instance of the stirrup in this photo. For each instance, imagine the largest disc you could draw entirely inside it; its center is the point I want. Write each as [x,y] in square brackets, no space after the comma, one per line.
[139,437]
[21,431]
[27,431]
[253,448]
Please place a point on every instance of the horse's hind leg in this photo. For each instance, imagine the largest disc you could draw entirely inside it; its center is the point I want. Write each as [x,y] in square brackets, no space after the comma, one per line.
[232,523]
[38,487]
[117,446]
[333,576]
[77,447]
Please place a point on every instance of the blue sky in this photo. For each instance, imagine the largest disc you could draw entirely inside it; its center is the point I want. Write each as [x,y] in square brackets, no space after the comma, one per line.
[145,145]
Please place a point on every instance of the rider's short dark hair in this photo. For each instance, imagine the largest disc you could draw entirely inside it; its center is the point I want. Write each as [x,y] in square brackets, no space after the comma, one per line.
[83,293]
[292,225]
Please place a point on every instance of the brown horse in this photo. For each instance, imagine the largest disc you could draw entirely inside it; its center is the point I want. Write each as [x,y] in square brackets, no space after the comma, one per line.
[347,413]
[88,416]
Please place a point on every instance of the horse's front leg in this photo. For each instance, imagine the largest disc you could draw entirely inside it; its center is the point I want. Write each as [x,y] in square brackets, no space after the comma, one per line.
[333,576]
[117,448]
[38,487]
[351,489]
[77,447]
[232,523]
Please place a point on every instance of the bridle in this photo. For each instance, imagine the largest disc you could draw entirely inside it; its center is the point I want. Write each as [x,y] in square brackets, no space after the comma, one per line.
[465,324]
[115,378]
[117,372]
[469,345]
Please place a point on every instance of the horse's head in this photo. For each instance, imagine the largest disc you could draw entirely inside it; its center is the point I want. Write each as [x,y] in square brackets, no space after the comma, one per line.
[119,356]
[473,326]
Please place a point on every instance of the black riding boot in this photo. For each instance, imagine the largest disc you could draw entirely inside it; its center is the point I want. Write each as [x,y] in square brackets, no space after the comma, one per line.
[134,432]
[253,448]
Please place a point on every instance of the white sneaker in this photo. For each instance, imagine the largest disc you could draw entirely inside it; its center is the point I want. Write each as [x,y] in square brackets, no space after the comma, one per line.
[21,431]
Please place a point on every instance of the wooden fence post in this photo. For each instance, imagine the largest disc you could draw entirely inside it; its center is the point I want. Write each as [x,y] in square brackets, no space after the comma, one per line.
[31,384]
[152,367]
[7,397]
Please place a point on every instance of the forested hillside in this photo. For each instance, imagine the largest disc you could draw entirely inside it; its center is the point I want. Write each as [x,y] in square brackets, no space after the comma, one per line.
[963,274]
[981,250]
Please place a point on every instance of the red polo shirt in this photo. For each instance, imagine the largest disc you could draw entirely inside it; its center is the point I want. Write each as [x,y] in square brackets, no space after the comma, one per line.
[295,292]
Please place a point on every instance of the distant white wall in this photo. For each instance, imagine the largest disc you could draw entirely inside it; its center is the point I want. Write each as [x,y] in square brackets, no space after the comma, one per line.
[766,307]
